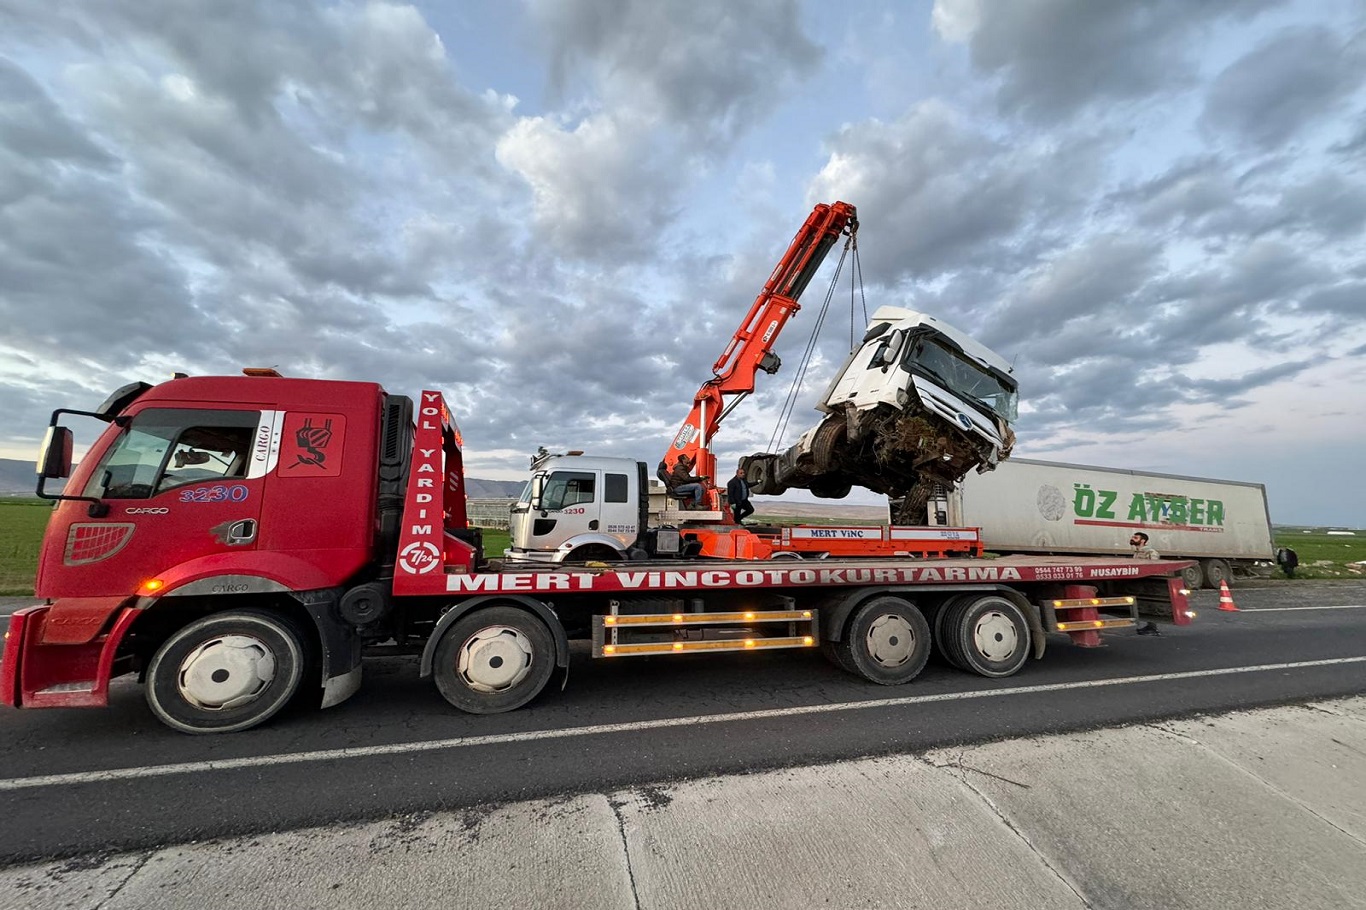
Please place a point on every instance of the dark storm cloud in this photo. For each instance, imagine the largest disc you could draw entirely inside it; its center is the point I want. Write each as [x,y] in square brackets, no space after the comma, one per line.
[1272,93]
[1055,57]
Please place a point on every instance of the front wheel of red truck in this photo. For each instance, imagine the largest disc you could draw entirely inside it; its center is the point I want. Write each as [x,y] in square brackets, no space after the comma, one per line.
[494,660]
[226,672]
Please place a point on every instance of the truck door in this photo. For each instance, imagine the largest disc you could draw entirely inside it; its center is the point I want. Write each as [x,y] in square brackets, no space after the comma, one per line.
[570,505]
[179,484]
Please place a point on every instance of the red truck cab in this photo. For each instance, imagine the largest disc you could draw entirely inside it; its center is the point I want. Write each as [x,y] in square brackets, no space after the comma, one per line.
[204,492]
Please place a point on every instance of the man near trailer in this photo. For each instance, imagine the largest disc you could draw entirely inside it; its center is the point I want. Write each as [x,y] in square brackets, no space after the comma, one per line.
[1139,541]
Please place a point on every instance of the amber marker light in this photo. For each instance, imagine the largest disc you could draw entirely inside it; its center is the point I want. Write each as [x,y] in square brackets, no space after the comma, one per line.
[153,584]
[609,649]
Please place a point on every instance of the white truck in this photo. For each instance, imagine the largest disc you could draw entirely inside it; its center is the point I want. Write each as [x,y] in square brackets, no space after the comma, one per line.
[919,404]
[1046,507]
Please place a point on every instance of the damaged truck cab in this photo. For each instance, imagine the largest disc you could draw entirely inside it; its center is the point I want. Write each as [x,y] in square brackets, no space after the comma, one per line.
[918,403]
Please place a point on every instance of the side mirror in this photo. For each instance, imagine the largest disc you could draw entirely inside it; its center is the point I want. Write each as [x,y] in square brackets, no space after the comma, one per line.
[537,489]
[54,458]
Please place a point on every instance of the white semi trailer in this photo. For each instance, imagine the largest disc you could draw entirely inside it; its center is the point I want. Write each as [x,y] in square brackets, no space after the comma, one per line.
[1029,506]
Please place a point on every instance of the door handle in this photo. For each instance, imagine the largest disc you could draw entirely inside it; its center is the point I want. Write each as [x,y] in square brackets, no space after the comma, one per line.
[241,532]
[593,525]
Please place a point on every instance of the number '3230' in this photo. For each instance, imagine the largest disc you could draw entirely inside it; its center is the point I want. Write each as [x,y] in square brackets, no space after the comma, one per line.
[218,493]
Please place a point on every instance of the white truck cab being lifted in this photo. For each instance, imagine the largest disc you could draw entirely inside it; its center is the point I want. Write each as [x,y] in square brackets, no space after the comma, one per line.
[908,356]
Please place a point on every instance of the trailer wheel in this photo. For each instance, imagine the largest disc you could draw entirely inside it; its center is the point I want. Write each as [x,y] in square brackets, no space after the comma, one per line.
[1192,576]
[226,672]
[887,641]
[1215,571]
[494,660]
[987,635]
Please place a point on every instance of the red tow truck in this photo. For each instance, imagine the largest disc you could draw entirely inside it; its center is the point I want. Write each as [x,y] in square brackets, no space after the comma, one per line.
[243,542]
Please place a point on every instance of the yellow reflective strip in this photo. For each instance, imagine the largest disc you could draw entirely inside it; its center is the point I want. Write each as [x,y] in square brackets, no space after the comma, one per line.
[751,644]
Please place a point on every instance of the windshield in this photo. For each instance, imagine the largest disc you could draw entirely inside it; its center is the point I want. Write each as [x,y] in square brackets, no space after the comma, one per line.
[567,488]
[966,378]
[164,448]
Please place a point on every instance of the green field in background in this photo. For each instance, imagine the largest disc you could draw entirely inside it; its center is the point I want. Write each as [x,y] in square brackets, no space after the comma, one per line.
[1322,555]
[21,532]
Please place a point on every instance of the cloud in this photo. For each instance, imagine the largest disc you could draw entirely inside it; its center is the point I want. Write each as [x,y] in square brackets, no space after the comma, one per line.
[1056,57]
[944,194]
[1272,93]
[709,69]
[609,179]
[602,190]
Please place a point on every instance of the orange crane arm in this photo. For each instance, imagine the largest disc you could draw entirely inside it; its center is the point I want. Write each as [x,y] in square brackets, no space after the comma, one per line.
[751,347]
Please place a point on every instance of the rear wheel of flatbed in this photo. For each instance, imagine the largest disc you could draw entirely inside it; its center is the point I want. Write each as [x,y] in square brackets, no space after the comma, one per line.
[494,660]
[887,641]
[1192,576]
[986,635]
[226,672]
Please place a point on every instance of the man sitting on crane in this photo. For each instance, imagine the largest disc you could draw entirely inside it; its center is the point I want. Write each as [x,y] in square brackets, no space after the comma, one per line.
[683,483]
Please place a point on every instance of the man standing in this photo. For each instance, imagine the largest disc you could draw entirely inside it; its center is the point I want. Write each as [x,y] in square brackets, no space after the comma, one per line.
[1141,549]
[737,493]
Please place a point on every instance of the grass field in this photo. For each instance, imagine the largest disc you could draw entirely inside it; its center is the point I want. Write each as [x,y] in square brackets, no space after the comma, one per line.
[1322,555]
[21,531]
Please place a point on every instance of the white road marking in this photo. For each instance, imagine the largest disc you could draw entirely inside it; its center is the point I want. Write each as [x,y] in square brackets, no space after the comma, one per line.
[1298,609]
[265,761]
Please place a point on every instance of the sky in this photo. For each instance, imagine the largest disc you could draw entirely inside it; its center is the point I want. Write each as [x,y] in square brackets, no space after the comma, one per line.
[558,211]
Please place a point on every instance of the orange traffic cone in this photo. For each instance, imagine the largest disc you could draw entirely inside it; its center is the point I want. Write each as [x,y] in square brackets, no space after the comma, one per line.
[1225,598]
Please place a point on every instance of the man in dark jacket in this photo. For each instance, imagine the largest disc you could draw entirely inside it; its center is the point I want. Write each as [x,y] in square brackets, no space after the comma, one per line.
[683,483]
[737,494]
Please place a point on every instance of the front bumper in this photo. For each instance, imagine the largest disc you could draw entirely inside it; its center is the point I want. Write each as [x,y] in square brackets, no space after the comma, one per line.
[39,674]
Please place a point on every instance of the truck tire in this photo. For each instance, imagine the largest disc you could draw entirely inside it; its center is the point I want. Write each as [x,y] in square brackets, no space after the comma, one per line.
[937,625]
[825,445]
[830,488]
[1215,571]
[887,641]
[226,672]
[1192,576]
[987,635]
[494,660]
[835,654]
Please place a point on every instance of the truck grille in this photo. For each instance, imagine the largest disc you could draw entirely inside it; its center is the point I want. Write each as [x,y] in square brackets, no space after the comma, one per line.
[86,543]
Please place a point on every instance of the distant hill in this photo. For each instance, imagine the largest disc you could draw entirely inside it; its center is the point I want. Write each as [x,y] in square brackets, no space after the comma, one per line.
[18,478]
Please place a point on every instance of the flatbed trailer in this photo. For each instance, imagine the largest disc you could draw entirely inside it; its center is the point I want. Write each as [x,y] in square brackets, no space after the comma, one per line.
[223,599]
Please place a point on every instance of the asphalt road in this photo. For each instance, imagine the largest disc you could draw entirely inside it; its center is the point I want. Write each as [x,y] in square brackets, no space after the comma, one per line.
[81,781]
